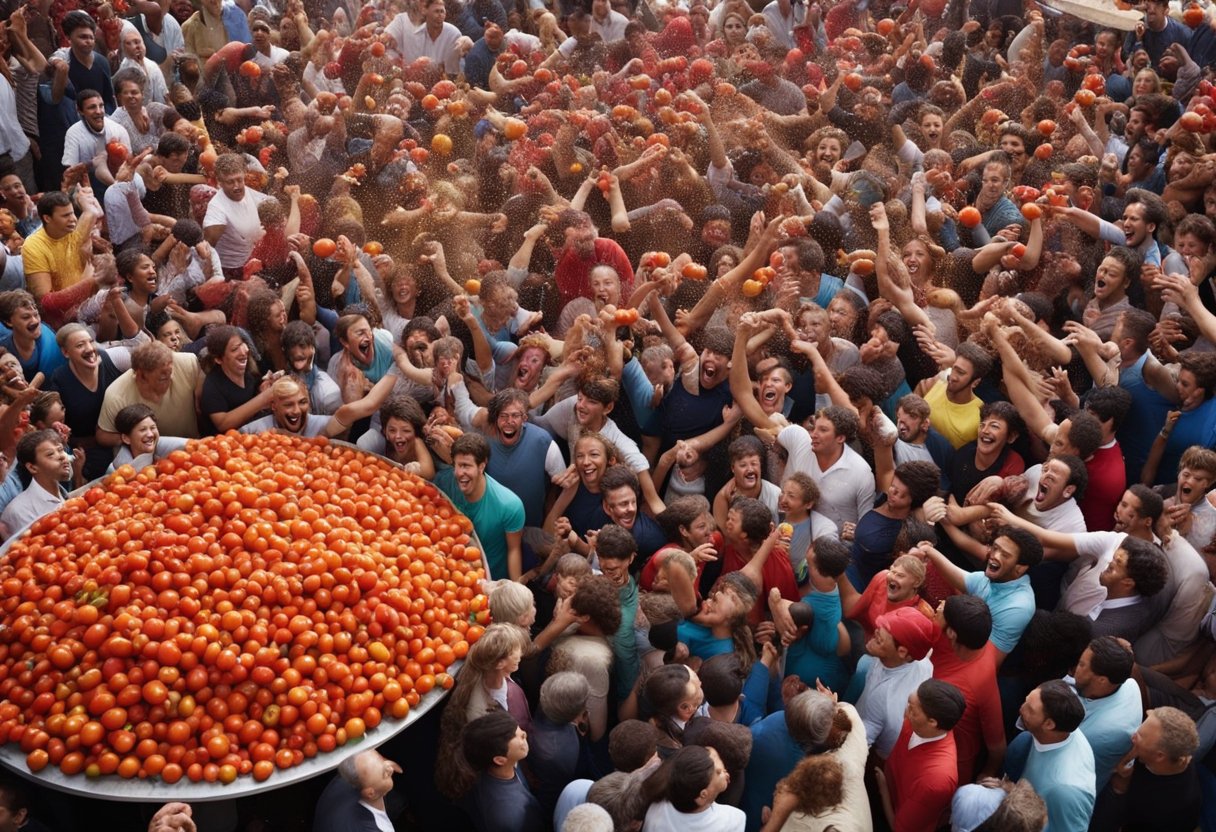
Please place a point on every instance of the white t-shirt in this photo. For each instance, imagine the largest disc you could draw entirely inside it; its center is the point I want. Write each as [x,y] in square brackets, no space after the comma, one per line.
[413,42]
[846,488]
[561,421]
[717,817]
[1066,517]
[82,145]
[612,29]
[242,228]
[28,506]
[155,89]
[314,426]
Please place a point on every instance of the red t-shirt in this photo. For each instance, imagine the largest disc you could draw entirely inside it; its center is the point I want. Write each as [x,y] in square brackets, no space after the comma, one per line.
[777,572]
[572,273]
[1107,482]
[921,780]
[874,602]
[982,723]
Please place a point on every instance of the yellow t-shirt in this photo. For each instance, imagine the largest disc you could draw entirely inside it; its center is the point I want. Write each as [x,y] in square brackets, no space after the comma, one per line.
[959,423]
[60,258]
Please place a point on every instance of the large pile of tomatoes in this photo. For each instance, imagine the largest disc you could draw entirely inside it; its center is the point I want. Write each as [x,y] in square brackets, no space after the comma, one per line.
[251,602]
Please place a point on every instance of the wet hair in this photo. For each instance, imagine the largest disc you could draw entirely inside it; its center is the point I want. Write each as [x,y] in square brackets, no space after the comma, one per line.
[487,737]
[171,144]
[922,478]
[970,618]
[1111,659]
[942,702]
[1109,403]
[1061,705]
[504,398]
[631,744]
[1146,565]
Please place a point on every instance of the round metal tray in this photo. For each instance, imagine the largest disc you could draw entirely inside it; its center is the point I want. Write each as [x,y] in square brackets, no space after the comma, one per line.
[154,790]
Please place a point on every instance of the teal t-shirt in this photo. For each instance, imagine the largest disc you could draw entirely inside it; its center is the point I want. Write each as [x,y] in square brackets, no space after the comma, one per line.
[498,513]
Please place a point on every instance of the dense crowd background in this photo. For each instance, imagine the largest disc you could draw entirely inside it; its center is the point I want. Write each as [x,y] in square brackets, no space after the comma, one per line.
[831,388]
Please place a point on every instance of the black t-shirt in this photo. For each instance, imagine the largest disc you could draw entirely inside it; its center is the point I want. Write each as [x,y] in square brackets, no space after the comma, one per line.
[1153,803]
[220,395]
[82,407]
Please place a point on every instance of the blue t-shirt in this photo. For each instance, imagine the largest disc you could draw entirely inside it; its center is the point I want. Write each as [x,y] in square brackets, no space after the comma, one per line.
[814,655]
[701,641]
[46,357]
[498,513]
[1011,604]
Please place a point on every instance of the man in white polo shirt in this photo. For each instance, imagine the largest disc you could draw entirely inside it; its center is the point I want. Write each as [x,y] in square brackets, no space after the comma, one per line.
[435,38]
[845,479]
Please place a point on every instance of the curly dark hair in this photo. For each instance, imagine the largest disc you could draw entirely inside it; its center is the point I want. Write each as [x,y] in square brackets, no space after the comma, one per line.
[597,596]
[1145,565]
[863,381]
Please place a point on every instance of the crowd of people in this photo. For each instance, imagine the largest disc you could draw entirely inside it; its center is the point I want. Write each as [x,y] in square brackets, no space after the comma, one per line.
[832,388]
